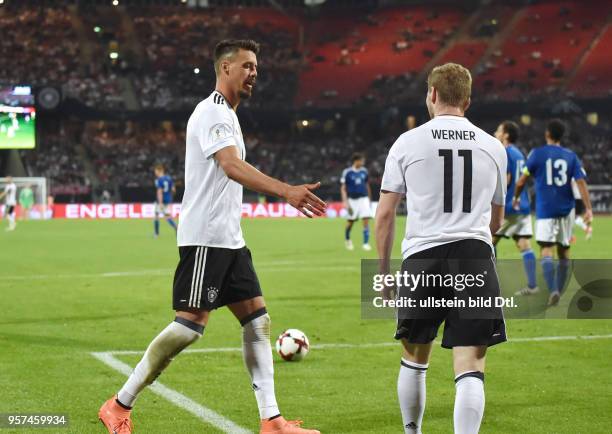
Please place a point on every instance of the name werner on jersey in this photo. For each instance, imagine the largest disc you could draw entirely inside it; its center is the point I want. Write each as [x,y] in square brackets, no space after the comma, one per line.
[453,135]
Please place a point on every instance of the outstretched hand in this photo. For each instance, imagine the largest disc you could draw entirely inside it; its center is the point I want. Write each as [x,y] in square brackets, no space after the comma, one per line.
[304,200]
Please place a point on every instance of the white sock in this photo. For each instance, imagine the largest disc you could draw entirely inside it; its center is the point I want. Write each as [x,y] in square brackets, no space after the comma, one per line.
[172,340]
[411,394]
[580,223]
[469,402]
[257,354]
[11,219]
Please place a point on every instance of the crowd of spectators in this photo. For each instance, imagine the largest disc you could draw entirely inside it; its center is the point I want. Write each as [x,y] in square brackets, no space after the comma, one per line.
[178,70]
[124,153]
[38,45]
[163,63]
[56,158]
[539,52]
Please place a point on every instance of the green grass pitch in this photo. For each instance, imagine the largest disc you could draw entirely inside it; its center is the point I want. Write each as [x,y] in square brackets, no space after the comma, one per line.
[69,288]
[24,138]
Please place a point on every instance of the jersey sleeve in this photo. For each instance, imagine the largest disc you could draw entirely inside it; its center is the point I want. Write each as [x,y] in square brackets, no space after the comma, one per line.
[393,178]
[217,131]
[578,172]
[499,196]
[158,183]
[343,177]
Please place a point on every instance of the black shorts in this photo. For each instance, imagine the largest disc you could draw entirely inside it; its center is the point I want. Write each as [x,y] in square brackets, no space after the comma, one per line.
[579,207]
[207,278]
[10,209]
[463,326]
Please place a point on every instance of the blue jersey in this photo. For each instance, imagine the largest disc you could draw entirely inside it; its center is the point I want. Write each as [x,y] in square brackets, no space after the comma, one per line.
[553,168]
[516,164]
[356,182]
[165,183]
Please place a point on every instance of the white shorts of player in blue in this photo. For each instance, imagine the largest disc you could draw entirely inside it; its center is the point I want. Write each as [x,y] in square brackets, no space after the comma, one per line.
[555,230]
[516,225]
[359,208]
[162,210]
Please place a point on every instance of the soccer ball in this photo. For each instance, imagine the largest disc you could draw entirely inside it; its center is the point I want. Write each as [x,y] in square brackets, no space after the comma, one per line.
[292,345]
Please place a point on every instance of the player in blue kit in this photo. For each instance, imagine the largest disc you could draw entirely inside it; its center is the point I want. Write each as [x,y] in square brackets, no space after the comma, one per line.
[553,168]
[164,190]
[517,223]
[356,194]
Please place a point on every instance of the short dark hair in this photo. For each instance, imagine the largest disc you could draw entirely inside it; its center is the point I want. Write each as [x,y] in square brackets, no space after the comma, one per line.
[229,47]
[512,129]
[556,129]
[357,156]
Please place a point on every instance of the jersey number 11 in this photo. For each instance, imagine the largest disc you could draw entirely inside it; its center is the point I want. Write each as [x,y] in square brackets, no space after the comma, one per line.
[466,154]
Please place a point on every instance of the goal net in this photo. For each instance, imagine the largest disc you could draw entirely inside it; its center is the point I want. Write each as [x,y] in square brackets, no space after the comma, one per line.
[31,198]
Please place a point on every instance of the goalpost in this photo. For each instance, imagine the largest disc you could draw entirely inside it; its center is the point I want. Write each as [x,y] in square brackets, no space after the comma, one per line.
[38,186]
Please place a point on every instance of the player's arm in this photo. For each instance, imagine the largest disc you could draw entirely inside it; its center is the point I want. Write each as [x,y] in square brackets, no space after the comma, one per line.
[579,175]
[518,189]
[385,227]
[298,196]
[497,218]
[160,196]
[344,195]
[586,198]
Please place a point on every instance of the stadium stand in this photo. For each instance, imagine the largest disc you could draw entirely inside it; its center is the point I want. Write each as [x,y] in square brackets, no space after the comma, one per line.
[593,78]
[532,60]
[172,39]
[390,42]
[326,64]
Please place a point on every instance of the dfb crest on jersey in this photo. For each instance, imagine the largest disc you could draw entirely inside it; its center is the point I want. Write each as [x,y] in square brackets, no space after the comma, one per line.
[212,294]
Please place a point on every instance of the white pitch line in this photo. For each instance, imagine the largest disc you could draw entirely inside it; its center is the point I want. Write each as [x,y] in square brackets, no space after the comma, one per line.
[213,418]
[203,413]
[367,345]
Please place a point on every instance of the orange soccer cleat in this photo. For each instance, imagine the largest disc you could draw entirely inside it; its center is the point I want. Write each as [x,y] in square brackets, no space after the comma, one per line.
[115,418]
[279,425]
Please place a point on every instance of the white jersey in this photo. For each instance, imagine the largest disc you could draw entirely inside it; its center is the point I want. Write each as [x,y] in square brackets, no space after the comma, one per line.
[212,203]
[10,191]
[451,171]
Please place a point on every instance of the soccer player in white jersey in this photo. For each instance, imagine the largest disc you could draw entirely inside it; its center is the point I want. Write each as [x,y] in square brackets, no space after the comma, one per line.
[215,267]
[10,201]
[356,196]
[453,175]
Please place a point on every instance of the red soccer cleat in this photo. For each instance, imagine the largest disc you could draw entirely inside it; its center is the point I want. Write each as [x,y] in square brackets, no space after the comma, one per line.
[115,418]
[279,425]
